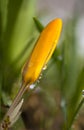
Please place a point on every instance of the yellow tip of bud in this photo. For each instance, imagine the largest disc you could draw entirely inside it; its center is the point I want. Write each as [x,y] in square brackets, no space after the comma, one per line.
[42,51]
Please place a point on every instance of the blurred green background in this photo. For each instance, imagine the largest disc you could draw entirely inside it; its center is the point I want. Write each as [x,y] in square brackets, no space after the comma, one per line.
[55,102]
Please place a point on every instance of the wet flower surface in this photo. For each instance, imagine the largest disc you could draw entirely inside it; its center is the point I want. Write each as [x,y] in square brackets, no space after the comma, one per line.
[42,52]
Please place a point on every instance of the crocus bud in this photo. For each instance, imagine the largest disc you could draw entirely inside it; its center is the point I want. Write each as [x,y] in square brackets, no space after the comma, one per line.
[39,57]
[42,51]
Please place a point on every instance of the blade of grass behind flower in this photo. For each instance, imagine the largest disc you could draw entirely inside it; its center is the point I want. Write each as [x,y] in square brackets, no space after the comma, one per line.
[9,12]
[38,24]
[3,12]
[69,67]
[19,61]
[19,26]
[71,70]
[76,99]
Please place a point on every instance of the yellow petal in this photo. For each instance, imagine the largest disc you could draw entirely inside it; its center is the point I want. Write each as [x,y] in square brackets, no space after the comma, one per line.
[42,51]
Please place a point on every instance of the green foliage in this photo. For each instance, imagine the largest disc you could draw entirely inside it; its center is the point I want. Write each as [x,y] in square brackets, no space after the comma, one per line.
[38,25]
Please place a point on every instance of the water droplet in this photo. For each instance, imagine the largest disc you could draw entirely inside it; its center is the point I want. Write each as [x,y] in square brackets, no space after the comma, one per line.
[32,86]
[63,103]
[40,77]
[45,67]
[83,93]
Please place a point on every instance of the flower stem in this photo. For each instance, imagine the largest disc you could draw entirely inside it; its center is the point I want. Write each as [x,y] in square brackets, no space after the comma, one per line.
[7,119]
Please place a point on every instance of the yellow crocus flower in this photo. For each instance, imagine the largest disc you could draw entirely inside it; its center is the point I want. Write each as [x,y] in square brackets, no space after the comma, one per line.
[39,57]
[42,51]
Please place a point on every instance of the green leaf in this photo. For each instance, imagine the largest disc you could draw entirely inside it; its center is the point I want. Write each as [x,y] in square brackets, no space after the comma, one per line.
[19,26]
[72,72]
[19,61]
[39,26]
[3,13]
[76,112]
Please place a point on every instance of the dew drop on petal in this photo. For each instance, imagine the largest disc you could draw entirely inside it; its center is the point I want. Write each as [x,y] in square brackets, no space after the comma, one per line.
[45,67]
[40,77]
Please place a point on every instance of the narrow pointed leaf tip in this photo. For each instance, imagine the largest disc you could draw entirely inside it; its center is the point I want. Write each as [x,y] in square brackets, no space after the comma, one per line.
[42,51]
